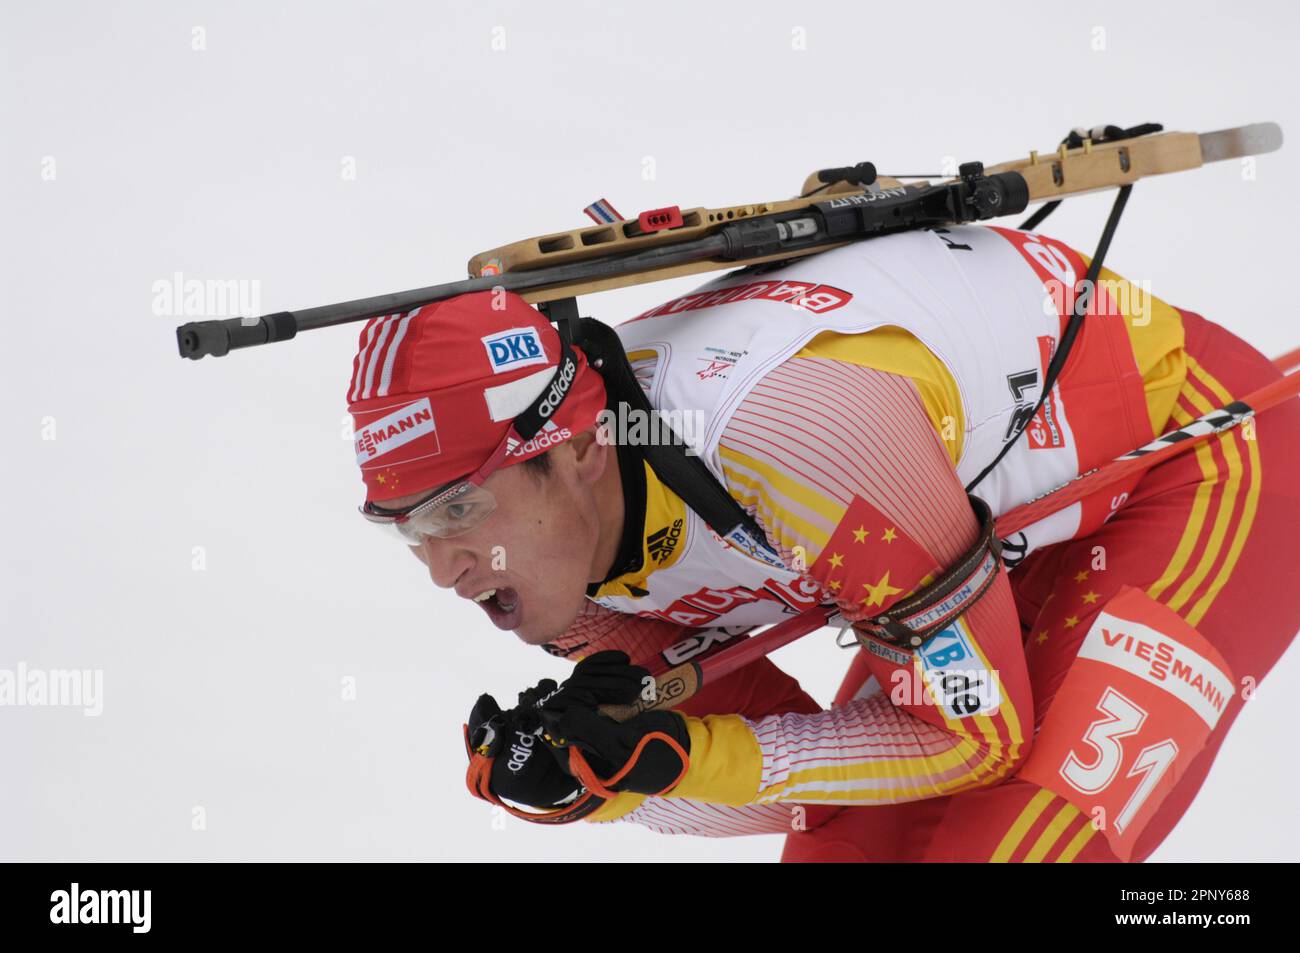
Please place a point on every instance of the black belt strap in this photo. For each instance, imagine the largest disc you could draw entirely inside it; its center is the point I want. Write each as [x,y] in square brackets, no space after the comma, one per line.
[910,622]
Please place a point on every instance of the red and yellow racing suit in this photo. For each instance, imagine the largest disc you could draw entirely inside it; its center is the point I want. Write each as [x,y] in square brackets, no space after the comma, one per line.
[846,452]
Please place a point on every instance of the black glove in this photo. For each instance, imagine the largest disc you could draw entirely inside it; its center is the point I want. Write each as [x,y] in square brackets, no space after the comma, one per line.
[525,769]
[647,754]
[605,678]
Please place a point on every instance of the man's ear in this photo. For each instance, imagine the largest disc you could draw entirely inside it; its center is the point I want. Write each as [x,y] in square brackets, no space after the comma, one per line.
[590,456]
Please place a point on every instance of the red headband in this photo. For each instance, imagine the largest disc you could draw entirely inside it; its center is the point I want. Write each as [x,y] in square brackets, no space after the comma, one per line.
[435,390]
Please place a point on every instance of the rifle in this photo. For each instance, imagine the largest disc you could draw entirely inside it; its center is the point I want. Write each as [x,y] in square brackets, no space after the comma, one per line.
[835,206]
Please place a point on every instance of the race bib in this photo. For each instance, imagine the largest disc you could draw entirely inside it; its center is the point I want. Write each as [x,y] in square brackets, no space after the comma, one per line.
[1139,702]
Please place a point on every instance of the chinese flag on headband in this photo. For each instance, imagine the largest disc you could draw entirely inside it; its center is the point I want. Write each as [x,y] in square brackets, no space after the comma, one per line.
[869,563]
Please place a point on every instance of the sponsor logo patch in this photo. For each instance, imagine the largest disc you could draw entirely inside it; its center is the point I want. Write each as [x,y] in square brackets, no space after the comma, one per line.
[398,428]
[718,361]
[516,347]
[745,542]
[663,542]
[521,751]
[1043,429]
[695,645]
[559,387]
[956,675]
[547,437]
[886,652]
[808,295]
[1160,660]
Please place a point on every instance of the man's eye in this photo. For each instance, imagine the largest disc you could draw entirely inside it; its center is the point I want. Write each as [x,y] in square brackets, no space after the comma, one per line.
[459,511]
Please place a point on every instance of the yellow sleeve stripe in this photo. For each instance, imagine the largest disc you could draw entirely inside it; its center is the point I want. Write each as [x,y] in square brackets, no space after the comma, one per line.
[790,530]
[810,501]
[896,351]
[798,516]
[726,761]
[787,537]
[976,746]
[962,752]
[827,784]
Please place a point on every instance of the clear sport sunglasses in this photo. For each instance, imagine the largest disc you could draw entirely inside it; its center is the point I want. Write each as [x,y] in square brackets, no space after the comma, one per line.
[450,512]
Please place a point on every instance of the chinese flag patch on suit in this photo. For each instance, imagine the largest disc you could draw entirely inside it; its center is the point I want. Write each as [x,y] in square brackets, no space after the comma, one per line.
[869,563]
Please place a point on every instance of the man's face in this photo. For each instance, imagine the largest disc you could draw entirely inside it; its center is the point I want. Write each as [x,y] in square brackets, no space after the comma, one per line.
[537,549]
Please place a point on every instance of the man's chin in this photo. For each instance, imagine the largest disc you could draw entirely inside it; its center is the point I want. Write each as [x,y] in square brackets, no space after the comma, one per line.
[531,634]
[531,638]
[540,634]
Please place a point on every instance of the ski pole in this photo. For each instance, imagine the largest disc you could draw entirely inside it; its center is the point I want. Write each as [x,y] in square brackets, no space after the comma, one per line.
[679,682]
[1288,361]
[1157,451]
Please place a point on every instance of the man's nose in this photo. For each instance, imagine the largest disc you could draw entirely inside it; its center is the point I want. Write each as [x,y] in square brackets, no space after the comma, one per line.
[447,562]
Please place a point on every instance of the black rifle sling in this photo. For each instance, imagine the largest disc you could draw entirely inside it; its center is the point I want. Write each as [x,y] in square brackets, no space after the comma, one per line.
[1081,303]
[683,473]
[1044,210]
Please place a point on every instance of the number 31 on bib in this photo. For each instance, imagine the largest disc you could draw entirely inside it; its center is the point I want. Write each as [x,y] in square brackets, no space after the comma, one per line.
[1140,700]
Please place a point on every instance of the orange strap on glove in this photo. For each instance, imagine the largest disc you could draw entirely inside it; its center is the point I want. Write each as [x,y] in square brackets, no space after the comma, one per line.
[519,756]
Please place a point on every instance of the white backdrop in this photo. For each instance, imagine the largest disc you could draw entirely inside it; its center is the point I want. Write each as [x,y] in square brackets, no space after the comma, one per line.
[190,529]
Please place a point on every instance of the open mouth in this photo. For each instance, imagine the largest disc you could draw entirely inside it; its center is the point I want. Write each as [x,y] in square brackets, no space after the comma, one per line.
[502,606]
